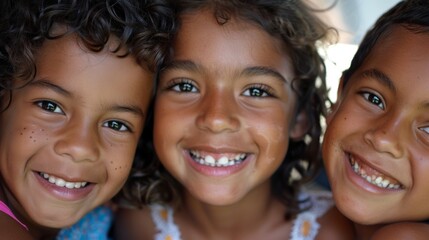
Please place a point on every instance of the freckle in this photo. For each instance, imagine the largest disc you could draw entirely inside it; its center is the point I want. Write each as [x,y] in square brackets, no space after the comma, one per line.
[34,140]
[345,118]
[32,131]
[25,128]
[31,136]
[20,134]
[111,162]
[116,168]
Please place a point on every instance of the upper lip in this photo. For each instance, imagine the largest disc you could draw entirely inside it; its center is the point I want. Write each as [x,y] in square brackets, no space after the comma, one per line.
[213,150]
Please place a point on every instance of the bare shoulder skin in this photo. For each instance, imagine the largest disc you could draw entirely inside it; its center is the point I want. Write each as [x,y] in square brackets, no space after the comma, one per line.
[404,230]
[10,229]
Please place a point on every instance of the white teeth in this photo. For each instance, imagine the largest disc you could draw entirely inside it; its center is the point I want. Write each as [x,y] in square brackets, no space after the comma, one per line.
[61,182]
[224,161]
[209,160]
[375,180]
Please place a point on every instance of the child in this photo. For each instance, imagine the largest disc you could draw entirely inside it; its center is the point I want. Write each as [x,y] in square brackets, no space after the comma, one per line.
[377,142]
[245,84]
[76,81]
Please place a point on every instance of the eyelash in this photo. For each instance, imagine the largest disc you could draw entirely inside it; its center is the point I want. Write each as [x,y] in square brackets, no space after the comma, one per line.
[117,126]
[260,89]
[373,99]
[53,107]
[49,106]
[182,85]
[187,85]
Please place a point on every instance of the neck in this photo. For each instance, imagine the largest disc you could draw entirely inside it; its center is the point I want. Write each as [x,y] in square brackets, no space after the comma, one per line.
[254,213]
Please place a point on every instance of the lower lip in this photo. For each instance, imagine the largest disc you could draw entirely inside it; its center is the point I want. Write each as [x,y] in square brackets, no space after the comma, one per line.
[362,183]
[64,193]
[216,171]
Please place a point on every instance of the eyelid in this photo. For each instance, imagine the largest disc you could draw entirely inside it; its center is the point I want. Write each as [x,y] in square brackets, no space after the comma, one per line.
[427,129]
[39,103]
[124,124]
[176,81]
[369,92]
[265,88]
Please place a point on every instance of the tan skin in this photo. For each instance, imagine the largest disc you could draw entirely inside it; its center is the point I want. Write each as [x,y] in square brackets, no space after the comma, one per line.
[381,121]
[79,121]
[227,93]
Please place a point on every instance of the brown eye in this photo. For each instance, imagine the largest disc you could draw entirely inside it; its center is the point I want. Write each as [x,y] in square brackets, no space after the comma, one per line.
[373,99]
[183,85]
[258,90]
[117,126]
[49,106]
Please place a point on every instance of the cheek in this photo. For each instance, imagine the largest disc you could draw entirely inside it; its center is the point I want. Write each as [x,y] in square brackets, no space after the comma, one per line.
[120,160]
[272,140]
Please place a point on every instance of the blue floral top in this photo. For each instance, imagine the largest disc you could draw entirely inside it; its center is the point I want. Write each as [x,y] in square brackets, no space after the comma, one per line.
[93,226]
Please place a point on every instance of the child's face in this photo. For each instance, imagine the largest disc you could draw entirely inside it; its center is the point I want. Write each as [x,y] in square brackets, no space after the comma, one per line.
[380,131]
[77,123]
[225,100]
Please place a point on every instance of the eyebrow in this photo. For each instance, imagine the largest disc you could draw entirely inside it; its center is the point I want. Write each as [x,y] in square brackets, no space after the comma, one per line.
[128,109]
[249,71]
[264,71]
[45,83]
[182,65]
[380,77]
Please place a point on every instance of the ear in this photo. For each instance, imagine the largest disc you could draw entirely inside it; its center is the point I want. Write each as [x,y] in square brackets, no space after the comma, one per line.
[300,127]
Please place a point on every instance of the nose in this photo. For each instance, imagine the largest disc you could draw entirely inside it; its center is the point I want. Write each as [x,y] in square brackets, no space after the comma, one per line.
[218,112]
[387,136]
[79,141]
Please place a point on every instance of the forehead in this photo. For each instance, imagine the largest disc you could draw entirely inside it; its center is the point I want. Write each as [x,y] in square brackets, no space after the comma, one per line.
[235,44]
[403,56]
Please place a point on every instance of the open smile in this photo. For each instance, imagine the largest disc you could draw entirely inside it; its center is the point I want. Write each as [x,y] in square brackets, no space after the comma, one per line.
[61,182]
[223,161]
[373,176]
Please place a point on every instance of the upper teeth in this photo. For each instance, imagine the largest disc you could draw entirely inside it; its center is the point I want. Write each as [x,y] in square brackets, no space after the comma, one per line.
[373,179]
[221,162]
[61,182]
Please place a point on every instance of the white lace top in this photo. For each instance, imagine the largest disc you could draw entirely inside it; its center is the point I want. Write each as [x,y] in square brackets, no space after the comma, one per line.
[305,226]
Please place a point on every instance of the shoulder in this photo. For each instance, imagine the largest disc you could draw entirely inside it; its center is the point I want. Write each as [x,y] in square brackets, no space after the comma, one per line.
[403,230]
[10,229]
[133,223]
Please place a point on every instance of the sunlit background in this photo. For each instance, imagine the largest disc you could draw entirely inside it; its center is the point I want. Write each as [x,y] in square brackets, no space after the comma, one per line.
[352,18]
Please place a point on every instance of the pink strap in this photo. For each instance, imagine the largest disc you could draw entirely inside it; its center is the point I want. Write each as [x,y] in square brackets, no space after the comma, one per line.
[4,208]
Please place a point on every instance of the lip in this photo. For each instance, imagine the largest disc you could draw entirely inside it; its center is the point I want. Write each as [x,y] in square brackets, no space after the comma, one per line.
[216,171]
[359,181]
[63,193]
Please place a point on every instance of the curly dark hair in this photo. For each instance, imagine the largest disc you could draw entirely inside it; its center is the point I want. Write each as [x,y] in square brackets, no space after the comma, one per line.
[411,14]
[301,32]
[144,29]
